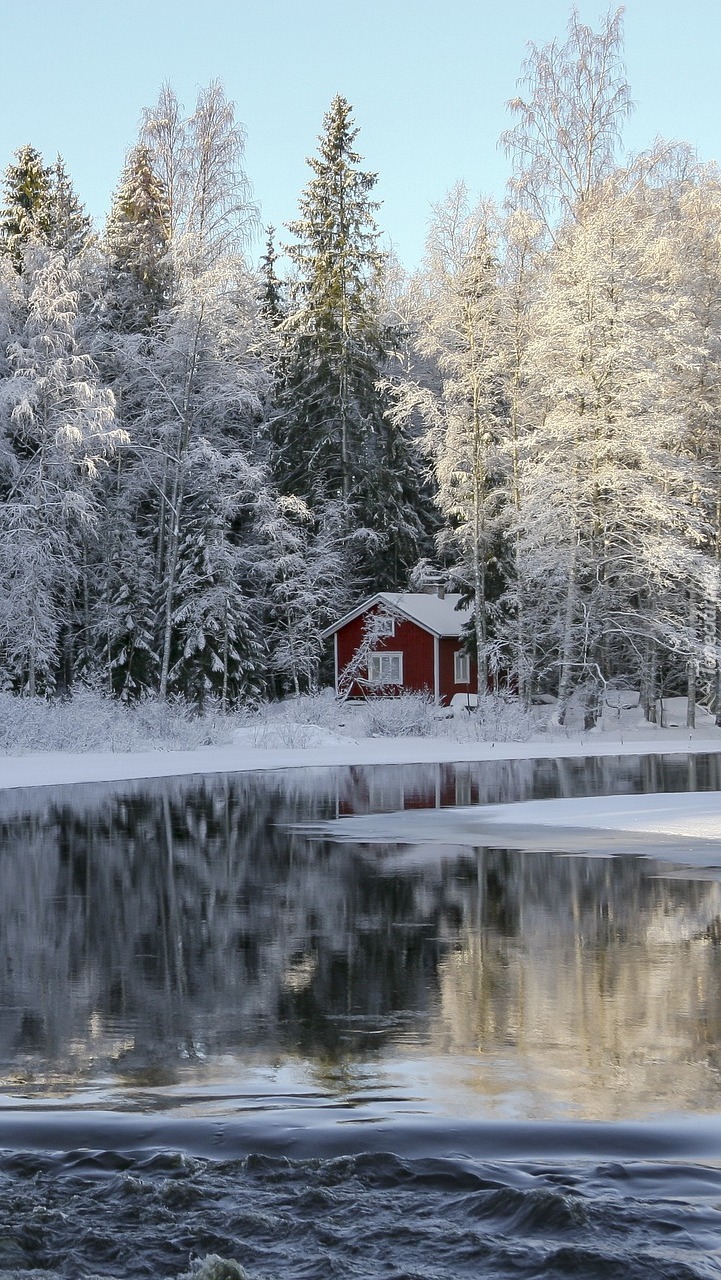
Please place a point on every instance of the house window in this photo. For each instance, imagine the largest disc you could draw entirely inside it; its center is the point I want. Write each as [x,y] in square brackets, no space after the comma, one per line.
[385,668]
[461,667]
[383,625]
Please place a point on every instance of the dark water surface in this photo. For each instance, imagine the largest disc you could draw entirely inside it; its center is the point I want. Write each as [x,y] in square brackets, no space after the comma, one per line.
[226,1043]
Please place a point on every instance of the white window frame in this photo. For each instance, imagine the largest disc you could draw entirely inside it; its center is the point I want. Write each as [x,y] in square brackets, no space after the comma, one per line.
[381,668]
[384,626]
[461,667]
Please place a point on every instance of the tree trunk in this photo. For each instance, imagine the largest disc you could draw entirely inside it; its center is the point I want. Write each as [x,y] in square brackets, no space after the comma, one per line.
[648,682]
[717,610]
[591,708]
[176,506]
[479,588]
[224,697]
[171,574]
[565,679]
[692,664]
[717,673]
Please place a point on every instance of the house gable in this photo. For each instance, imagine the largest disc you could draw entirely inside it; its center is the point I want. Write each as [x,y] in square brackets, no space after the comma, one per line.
[414,646]
[416,655]
[441,615]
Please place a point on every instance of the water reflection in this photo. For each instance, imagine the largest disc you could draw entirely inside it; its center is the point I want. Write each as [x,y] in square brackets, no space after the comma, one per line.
[162,933]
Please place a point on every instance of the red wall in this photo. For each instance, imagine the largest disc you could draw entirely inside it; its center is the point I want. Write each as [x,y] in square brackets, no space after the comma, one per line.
[412,641]
[449,647]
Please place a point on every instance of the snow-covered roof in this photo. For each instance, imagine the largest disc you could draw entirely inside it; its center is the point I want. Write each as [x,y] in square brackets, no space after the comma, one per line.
[438,614]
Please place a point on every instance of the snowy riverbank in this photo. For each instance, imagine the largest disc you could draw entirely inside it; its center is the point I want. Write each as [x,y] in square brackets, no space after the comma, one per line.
[91,739]
[287,745]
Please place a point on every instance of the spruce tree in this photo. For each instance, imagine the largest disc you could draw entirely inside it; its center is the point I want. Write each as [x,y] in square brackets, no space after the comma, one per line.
[137,239]
[301,566]
[271,294]
[57,428]
[337,339]
[332,437]
[27,211]
[217,647]
[69,227]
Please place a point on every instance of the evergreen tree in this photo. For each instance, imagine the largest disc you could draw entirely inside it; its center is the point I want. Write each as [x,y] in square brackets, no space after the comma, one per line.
[122,613]
[271,295]
[57,425]
[333,438]
[338,343]
[28,199]
[137,239]
[301,577]
[218,648]
[69,226]
[120,624]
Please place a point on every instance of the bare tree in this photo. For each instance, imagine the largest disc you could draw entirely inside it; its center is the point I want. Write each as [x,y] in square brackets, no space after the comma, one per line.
[568,125]
[200,161]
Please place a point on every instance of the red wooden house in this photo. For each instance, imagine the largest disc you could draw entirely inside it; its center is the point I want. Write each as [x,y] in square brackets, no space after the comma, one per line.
[407,641]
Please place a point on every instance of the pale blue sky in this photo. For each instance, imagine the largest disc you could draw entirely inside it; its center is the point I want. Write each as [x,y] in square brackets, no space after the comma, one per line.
[428,81]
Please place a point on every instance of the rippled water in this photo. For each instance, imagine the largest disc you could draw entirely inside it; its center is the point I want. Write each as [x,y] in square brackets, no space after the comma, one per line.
[227,1044]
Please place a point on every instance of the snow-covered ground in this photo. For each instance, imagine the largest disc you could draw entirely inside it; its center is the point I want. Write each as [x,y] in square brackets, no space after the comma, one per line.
[323,748]
[291,737]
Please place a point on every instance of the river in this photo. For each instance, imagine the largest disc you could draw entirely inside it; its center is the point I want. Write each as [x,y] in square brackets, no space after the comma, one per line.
[231,1044]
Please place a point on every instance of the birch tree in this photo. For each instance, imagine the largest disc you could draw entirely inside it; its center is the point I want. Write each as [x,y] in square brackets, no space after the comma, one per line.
[200,161]
[461,331]
[192,380]
[568,121]
[200,383]
[520,265]
[608,529]
[693,240]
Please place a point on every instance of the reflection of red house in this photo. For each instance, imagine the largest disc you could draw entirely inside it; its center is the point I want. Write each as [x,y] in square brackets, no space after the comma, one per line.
[415,646]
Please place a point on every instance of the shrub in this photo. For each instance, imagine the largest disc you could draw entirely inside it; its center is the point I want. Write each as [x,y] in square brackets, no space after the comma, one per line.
[497,718]
[410,715]
[92,721]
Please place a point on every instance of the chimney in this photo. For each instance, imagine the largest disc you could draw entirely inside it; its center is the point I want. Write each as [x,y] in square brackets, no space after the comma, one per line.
[441,591]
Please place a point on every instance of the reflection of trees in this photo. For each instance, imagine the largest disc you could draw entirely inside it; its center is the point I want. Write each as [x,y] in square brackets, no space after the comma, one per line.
[596,980]
[144,923]
[184,917]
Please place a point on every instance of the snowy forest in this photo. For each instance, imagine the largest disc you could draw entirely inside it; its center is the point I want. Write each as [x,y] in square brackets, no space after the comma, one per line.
[205,458]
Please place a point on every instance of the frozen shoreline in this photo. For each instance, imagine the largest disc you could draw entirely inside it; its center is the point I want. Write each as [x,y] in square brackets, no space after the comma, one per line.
[326,750]
[616,823]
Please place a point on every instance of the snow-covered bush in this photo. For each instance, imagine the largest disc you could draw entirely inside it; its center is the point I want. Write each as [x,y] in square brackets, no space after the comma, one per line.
[495,719]
[91,721]
[283,733]
[410,715]
[322,708]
